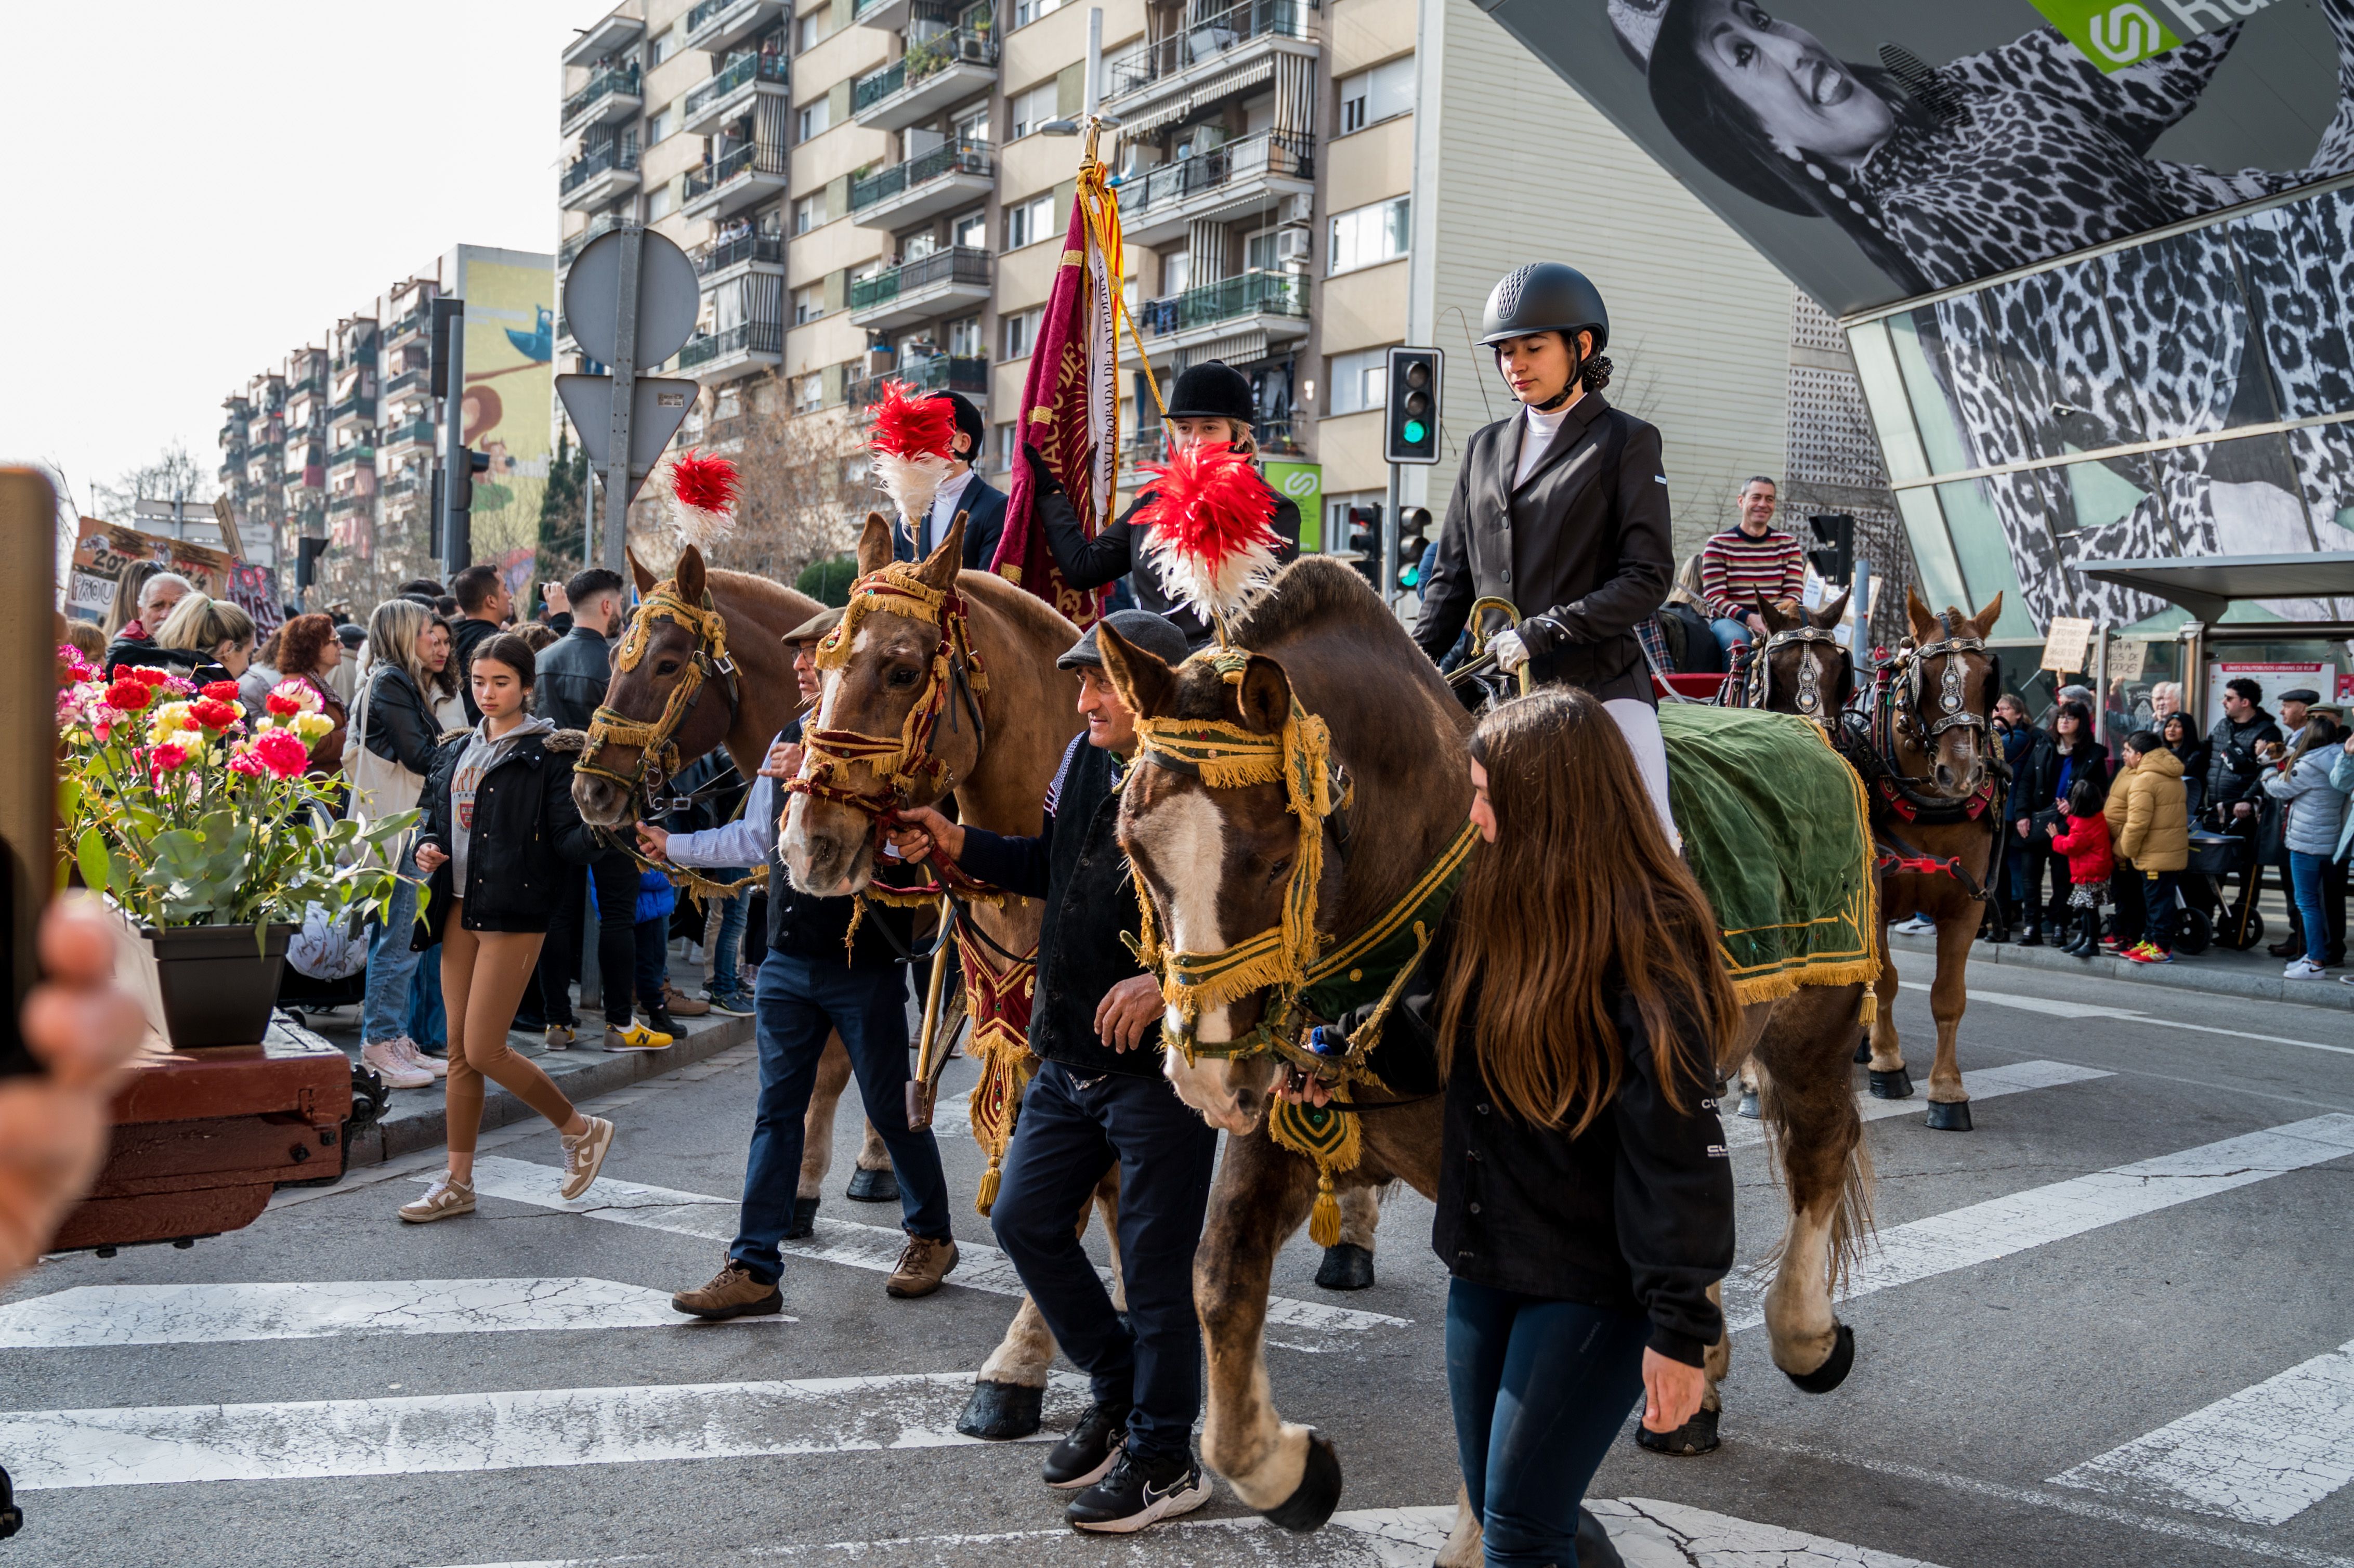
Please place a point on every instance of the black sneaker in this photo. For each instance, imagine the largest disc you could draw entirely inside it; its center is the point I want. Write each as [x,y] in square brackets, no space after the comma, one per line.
[659,1017]
[1137,1493]
[1081,1459]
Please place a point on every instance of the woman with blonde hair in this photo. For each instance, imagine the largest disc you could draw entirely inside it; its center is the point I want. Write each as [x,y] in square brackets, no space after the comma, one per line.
[388,755]
[212,637]
[1577,1003]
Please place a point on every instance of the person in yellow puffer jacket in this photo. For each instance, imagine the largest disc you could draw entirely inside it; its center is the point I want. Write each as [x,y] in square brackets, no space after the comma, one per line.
[2149,822]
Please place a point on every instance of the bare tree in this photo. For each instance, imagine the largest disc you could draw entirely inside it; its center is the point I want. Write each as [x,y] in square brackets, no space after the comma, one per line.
[173,474]
[803,491]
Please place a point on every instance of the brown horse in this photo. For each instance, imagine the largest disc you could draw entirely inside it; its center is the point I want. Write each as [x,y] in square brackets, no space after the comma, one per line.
[742,714]
[1212,862]
[1801,668]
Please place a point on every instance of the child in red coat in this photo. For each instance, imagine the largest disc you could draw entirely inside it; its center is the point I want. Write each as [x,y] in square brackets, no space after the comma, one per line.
[2083,836]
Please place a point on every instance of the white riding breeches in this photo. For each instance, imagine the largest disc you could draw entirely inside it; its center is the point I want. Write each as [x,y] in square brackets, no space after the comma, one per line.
[1639,723]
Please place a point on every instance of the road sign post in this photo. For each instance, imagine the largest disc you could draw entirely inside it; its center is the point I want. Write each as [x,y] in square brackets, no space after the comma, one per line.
[631,299]
[452,524]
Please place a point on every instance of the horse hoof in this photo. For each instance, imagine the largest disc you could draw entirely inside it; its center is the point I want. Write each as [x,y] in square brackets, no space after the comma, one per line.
[1895,1086]
[1695,1436]
[804,1223]
[1949,1116]
[874,1187]
[1346,1267]
[1320,1490]
[1750,1108]
[1863,1051]
[1834,1367]
[1000,1411]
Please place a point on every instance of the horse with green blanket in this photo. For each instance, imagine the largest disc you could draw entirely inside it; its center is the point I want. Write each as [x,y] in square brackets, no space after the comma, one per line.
[1297,808]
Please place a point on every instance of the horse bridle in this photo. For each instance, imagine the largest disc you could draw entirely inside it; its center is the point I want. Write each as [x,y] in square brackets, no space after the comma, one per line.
[1809,695]
[657,742]
[1953,696]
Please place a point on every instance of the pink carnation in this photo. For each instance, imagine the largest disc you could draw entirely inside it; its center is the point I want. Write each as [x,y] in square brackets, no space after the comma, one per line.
[282,752]
[167,757]
[244,762]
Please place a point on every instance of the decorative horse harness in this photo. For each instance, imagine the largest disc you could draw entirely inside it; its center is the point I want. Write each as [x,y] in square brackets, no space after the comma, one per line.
[1892,718]
[1287,960]
[657,743]
[1812,701]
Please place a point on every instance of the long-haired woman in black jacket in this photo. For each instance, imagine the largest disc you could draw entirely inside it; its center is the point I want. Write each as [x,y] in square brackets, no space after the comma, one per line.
[501,835]
[1585,1200]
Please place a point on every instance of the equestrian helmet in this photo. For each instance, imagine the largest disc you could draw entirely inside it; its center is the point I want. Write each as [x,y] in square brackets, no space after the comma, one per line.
[1546,296]
[1212,390]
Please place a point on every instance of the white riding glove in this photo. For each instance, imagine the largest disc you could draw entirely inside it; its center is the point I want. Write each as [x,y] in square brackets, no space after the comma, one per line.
[1509,651]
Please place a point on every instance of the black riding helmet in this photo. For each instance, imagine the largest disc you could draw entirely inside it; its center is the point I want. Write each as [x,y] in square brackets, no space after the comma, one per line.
[1212,390]
[1551,296]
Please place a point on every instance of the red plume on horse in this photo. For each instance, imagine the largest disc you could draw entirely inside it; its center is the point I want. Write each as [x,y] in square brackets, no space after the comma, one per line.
[1209,529]
[703,499]
[912,439]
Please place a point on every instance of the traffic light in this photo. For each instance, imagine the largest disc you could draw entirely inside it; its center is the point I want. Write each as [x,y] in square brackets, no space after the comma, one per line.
[307,551]
[462,497]
[1414,538]
[1833,559]
[1411,433]
[1365,541]
[448,316]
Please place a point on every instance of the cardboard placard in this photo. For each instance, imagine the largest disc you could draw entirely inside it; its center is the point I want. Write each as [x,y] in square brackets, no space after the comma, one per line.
[104,549]
[2067,644]
[2126,658]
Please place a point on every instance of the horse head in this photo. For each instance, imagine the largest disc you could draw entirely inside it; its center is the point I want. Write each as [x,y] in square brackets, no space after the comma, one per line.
[896,722]
[1799,668]
[1947,690]
[1215,861]
[659,651]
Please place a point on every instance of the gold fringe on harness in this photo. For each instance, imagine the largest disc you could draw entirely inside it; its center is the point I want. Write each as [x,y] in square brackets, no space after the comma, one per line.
[1328,1135]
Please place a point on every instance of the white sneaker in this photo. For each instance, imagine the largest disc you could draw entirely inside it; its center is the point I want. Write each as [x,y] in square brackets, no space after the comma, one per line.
[585,1156]
[416,1057]
[1915,927]
[384,1057]
[447,1198]
[2303,969]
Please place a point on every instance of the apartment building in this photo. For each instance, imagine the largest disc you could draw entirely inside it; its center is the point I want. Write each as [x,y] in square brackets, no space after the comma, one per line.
[875,190]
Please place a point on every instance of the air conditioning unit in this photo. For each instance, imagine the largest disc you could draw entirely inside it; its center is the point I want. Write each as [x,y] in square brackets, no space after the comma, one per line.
[1292,246]
[1298,208]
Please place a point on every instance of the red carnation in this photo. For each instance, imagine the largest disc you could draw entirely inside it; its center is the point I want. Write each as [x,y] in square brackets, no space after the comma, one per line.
[128,697]
[221,691]
[148,675]
[283,704]
[282,752]
[214,713]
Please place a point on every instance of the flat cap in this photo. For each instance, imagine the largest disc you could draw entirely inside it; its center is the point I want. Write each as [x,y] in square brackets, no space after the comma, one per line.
[815,627]
[1156,635]
[2305,695]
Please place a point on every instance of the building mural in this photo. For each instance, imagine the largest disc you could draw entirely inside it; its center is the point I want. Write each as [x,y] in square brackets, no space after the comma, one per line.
[510,389]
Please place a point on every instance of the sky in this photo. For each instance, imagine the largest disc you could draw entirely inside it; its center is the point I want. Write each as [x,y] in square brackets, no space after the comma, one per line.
[195,190]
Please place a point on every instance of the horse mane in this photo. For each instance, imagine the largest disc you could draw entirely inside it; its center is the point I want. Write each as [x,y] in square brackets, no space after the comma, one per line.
[1303,594]
[770,600]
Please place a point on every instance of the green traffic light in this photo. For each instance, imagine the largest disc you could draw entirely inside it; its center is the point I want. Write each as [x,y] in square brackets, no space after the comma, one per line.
[1414,432]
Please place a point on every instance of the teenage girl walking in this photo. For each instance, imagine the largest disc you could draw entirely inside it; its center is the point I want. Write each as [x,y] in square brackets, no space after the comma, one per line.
[501,834]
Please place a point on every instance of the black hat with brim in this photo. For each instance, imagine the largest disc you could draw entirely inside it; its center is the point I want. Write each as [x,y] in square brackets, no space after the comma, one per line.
[1212,390]
[2305,695]
[1155,634]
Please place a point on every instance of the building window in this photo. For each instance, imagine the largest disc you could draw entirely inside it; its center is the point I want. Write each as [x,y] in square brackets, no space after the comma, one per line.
[1004,449]
[815,117]
[973,129]
[964,337]
[658,202]
[1030,110]
[1370,234]
[1028,11]
[809,304]
[1021,333]
[813,29]
[1028,222]
[1372,96]
[971,231]
[808,394]
[1357,380]
[808,213]
[660,126]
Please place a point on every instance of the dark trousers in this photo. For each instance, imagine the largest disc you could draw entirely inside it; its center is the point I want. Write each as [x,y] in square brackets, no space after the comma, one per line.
[616,875]
[651,967]
[2155,890]
[1070,1130]
[794,1005]
[2332,894]
[1540,1389]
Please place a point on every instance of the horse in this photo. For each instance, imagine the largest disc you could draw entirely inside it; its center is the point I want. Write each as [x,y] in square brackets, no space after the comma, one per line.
[1213,861]
[732,647]
[1802,667]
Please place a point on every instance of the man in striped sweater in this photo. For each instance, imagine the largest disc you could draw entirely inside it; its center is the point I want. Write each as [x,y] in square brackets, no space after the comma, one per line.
[1747,562]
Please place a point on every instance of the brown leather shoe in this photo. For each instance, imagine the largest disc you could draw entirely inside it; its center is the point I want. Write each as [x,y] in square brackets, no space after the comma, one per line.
[923,1264]
[732,1293]
[678,1004]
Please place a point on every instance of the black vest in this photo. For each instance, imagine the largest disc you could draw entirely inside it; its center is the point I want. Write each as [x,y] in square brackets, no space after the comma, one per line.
[1090,901]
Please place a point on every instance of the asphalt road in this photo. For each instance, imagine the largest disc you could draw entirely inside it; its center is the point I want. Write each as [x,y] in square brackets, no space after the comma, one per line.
[2112,1325]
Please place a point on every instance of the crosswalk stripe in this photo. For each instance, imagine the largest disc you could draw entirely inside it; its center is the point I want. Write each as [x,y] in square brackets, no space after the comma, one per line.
[1648,1533]
[2263,1455]
[316,1439]
[2050,1008]
[1312,1325]
[98,1315]
[1986,1084]
[1981,1232]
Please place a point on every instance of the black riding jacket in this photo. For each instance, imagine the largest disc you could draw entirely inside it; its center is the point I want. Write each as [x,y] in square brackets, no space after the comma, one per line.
[1119,551]
[528,840]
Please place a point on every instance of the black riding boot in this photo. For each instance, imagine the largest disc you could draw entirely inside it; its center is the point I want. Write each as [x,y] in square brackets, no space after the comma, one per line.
[2088,938]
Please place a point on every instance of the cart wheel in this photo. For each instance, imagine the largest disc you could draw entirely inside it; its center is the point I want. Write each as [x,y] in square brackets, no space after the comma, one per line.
[2249,938]
[2196,934]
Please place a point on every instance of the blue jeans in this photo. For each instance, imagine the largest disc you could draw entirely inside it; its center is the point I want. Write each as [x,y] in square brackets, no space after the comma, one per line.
[426,1026]
[2304,872]
[1540,1389]
[728,947]
[797,1001]
[1730,633]
[391,967]
[1070,1131]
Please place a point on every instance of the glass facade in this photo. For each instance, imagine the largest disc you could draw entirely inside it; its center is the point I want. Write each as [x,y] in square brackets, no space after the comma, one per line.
[2189,395]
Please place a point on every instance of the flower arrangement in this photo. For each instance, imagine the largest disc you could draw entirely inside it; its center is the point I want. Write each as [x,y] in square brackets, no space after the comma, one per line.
[185,813]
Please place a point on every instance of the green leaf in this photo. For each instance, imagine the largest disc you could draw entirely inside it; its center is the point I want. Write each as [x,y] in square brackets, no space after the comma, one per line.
[92,853]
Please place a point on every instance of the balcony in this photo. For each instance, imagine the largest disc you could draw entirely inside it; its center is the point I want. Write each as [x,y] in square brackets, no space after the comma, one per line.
[717,26]
[601,38]
[731,89]
[359,456]
[602,223]
[737,351]
[611,96]
[919,290]
[418,378]
[743,178]
[1246,175]
[722,258]
[357,407]
[968,374]
[316,384]
[1271,305]
[953,174]
[1225,52]
[415,433]
[931,77]
[595,181]
[412,324]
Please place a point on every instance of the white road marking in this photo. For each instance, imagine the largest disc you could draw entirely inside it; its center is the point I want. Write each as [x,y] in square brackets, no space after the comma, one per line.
[2263,1455]
[1648,1534]
[98,1315]
[1983,1232]
[2052,1009]
[979,1267]
[315,1439]
[1986,1084]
